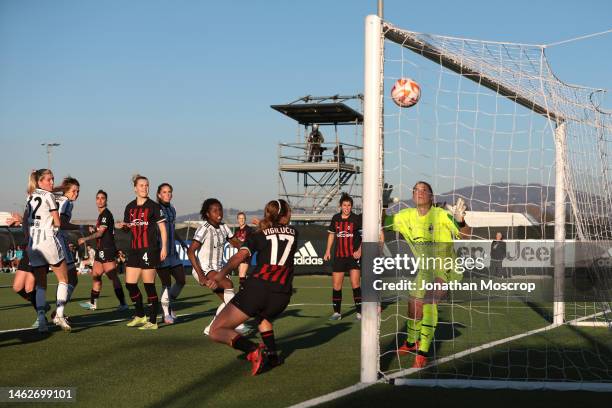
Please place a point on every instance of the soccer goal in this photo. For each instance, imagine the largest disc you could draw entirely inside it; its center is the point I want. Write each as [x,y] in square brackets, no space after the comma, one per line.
[529,154]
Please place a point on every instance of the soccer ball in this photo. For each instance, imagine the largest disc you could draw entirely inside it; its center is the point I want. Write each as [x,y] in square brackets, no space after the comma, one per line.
[405,92]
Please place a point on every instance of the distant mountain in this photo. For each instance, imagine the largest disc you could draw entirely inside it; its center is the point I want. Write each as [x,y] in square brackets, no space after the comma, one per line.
[229,215]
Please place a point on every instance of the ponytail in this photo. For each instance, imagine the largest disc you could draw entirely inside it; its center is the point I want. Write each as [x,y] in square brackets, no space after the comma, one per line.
[35,177]
[275,210]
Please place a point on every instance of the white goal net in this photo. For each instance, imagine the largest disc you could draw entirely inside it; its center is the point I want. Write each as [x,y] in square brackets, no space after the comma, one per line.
[529,155]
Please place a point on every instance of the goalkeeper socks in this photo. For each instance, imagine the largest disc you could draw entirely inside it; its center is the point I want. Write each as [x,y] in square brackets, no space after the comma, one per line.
[413,327]
[430,321]
[337,300]
[357,298]
[241,283]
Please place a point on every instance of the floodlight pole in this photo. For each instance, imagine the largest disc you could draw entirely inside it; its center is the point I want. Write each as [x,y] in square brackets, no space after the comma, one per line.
[381,6]
[49,146]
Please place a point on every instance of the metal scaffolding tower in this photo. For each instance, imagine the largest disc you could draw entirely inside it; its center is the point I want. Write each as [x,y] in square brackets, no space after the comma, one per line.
[322,170]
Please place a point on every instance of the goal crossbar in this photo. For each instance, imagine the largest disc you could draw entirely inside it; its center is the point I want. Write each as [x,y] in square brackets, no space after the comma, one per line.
[410,41]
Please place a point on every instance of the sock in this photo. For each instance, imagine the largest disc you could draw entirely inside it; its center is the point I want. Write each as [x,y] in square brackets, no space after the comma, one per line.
[219,309]
[153,300]
[357,298]
[41,301]
[337,300]
[241,282]
[29,296]
[228,294]
[32,298]
[94,297]
[136,297]
[70,292]
[430,321]
[414,330]
[61,298]
[24,294]
[242,344]
[120,295]
[269,341]
[175,290]
[165,300]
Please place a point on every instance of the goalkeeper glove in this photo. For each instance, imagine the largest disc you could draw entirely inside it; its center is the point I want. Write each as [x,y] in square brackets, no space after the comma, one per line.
[457,210]
[386,195]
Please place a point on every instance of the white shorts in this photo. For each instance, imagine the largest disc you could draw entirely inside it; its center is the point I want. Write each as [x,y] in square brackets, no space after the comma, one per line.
[47,250]
[63,239]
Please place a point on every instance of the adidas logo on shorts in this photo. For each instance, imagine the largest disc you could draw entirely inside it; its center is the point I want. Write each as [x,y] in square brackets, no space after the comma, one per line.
[307,255]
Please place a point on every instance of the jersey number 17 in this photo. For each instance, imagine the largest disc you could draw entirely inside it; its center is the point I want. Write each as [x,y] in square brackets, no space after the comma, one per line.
[274,251]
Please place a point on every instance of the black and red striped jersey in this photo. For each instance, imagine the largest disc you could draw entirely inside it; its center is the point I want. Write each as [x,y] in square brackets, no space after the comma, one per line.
[142,221]
[275,247]
[107,240]
[243,233]
[347,232]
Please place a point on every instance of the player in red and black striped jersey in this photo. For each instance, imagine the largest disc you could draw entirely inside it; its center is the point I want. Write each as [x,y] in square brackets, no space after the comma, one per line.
[242,234]
[106,254]
[345,229]
[267,290]
[143,217]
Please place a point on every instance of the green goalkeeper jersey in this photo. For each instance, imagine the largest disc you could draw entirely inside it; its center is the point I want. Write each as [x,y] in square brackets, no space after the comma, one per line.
[435,226]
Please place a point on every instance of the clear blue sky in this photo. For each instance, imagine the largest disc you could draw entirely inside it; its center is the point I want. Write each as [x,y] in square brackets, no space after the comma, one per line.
[180,91]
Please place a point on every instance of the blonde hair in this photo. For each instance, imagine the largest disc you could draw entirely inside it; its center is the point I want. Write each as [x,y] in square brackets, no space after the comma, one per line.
[35,177]
[137,177]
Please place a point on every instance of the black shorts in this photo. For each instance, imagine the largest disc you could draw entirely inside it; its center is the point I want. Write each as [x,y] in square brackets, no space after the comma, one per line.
[24,263]
[143,258]
[345,264]
[256,299]
[106,255]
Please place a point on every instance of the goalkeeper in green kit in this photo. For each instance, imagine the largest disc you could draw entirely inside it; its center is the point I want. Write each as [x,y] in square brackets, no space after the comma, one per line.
[429,231]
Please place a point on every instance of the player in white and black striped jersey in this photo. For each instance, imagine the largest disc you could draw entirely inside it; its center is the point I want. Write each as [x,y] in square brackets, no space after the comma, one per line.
[206,251]
[69,193]
[44,248]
